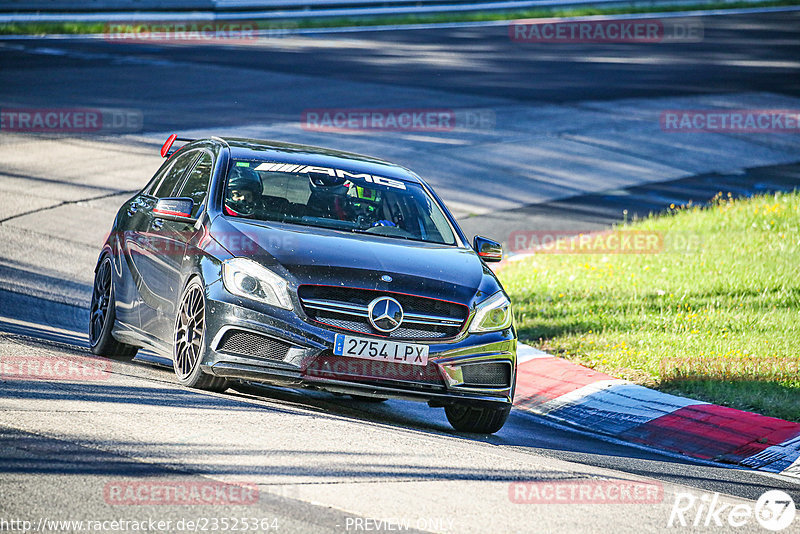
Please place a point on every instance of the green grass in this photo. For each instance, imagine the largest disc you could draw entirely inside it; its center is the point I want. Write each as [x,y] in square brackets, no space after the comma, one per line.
[719,322]
[72,28]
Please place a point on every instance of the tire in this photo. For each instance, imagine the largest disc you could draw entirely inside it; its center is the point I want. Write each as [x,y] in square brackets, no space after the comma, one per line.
[479,419]
[364,398]
[102,314]
[188,341]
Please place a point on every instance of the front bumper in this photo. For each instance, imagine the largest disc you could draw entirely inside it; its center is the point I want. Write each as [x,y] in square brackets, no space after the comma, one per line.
[300,354]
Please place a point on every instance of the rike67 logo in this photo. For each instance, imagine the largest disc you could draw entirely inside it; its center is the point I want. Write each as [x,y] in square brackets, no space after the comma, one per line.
[774,510]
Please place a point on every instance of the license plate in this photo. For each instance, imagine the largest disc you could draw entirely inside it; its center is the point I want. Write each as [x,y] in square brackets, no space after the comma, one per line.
[378,349]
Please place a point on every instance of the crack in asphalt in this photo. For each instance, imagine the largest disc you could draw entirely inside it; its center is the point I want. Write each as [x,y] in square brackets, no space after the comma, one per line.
[22,176]
[68,202]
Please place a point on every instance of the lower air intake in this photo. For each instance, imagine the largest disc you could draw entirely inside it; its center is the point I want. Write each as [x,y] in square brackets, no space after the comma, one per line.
[495,374]
[246,343]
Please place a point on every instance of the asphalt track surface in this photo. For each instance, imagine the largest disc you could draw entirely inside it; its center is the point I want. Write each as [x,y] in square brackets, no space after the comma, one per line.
[739,54]
[320,462]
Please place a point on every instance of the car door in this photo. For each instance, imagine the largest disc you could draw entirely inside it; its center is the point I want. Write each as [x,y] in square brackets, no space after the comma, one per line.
[174,236]
[161,253]
[132,219]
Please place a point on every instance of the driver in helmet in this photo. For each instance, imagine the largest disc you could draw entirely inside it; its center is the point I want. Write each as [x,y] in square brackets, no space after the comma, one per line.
[244,188]
[327,197]
[367,207]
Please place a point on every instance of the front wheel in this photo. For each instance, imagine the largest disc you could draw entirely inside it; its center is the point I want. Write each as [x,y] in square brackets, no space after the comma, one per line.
[188,344]
[477,418]
[102,314]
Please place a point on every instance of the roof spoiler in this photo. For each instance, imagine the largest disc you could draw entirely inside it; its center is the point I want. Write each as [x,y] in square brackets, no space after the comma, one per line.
[167,150]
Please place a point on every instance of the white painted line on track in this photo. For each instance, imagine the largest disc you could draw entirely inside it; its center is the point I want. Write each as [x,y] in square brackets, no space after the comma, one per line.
[526,353]
[573,397]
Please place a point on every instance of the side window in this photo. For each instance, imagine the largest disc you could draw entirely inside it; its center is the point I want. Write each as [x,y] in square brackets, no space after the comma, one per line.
[176,172]
[196,184]
[156,179]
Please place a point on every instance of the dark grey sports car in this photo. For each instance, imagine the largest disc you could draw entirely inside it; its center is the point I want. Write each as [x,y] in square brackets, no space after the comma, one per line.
[246,260]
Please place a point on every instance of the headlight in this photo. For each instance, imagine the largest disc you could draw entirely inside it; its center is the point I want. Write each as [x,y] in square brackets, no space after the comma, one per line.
[493,314]
[249,279]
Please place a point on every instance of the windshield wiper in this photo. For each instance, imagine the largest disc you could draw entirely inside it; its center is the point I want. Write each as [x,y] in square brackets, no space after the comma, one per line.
[367,231]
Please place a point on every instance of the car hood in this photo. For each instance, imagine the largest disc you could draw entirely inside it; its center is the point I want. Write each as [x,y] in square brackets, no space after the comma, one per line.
[328,257]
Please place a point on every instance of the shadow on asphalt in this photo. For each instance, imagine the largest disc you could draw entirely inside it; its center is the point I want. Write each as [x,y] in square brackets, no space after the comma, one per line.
[597,211]
[524,432]
[446,59]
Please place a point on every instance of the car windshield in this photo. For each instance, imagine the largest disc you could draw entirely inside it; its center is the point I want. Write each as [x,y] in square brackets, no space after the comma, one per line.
[336,199]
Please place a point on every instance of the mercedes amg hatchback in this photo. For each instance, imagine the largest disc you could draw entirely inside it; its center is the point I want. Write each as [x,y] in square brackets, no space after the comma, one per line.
[246,260]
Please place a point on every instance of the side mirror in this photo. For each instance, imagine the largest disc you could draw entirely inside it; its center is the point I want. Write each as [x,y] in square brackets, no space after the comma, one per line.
[487,249]
[174,209]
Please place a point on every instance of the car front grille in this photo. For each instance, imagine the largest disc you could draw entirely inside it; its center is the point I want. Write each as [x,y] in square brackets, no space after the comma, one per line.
[495,374]
[244,343]
[347,309]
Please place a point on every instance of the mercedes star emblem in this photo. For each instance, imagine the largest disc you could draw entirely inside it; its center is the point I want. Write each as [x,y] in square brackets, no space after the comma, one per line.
[385,314]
